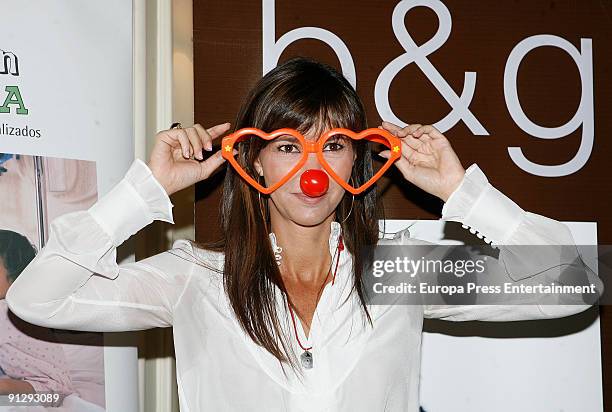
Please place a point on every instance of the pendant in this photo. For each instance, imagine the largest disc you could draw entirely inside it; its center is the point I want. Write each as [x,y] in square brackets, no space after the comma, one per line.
[306,359]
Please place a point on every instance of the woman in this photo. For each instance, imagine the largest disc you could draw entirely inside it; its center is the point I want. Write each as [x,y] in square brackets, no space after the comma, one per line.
[260,321]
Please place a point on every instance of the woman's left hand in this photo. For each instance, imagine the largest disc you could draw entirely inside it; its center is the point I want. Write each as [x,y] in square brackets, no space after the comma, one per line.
[428,161]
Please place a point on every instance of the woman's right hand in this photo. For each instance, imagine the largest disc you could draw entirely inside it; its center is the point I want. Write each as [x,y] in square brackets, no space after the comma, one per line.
[171,159]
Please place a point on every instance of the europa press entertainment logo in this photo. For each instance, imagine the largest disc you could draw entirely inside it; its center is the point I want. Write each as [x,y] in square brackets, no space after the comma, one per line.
[13,100]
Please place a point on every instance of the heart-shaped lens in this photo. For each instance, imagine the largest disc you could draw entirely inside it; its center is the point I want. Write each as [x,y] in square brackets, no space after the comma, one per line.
[337,142]
[283,148]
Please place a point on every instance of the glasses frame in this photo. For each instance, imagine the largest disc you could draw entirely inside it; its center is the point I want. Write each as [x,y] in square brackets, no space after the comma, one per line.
[376,135]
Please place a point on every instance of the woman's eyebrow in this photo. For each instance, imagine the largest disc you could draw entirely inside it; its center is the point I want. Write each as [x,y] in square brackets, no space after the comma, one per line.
[287,138]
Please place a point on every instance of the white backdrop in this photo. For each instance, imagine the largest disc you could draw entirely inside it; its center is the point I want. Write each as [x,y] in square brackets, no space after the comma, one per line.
[75,80]
[528,374]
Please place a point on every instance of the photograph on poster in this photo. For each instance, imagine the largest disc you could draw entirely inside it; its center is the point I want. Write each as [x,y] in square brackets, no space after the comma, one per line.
[40,368]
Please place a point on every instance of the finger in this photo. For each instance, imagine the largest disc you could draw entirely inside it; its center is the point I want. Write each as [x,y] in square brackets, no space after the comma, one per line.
[219,129]
[412,142]
[181,135]
[213,132]
[416,154]
[425,139]
[169,138]
[428,129]
[402,164]
[393,128]
[412,128]
[208,135]
[403,132]
[205,137]
[436,134]
[419,131]
[408,153]
[417,159]
[211,164]
[196,142]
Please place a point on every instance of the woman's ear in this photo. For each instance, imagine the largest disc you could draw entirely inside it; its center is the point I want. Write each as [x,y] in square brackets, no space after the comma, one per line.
[258,167]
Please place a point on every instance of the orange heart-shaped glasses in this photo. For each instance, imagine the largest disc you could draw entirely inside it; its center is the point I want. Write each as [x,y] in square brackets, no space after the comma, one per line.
[373,134]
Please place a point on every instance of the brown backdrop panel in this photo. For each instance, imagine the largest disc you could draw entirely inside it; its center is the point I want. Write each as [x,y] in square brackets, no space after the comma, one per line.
[228,60]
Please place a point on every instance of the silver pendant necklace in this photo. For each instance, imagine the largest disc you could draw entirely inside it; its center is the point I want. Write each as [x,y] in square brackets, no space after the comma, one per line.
[306,357]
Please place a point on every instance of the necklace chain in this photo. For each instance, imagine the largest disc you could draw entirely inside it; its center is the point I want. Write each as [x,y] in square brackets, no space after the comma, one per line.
[339,248]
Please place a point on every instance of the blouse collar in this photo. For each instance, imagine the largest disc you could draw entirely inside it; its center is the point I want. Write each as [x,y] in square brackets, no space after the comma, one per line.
[342,288]
[336,229]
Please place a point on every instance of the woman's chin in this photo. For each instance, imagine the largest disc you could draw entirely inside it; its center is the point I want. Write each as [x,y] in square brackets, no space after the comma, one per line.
[314,218]
[308,211]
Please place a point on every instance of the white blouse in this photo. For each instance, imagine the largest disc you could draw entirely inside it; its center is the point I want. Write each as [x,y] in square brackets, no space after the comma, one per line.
[75,283]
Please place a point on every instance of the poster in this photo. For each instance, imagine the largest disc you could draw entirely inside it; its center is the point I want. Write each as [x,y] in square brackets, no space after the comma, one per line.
[66,138]
[65,369]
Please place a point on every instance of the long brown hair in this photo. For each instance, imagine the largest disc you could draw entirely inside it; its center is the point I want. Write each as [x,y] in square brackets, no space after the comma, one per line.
[305,95]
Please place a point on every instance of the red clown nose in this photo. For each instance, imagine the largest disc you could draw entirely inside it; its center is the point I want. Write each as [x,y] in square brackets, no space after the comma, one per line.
[314,182]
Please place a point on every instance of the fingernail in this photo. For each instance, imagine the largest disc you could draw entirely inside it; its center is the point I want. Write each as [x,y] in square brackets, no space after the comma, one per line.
[208,146]
[199,156]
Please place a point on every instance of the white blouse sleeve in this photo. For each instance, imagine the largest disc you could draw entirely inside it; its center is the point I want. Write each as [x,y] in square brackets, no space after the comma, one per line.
[499,221]
[75,283]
